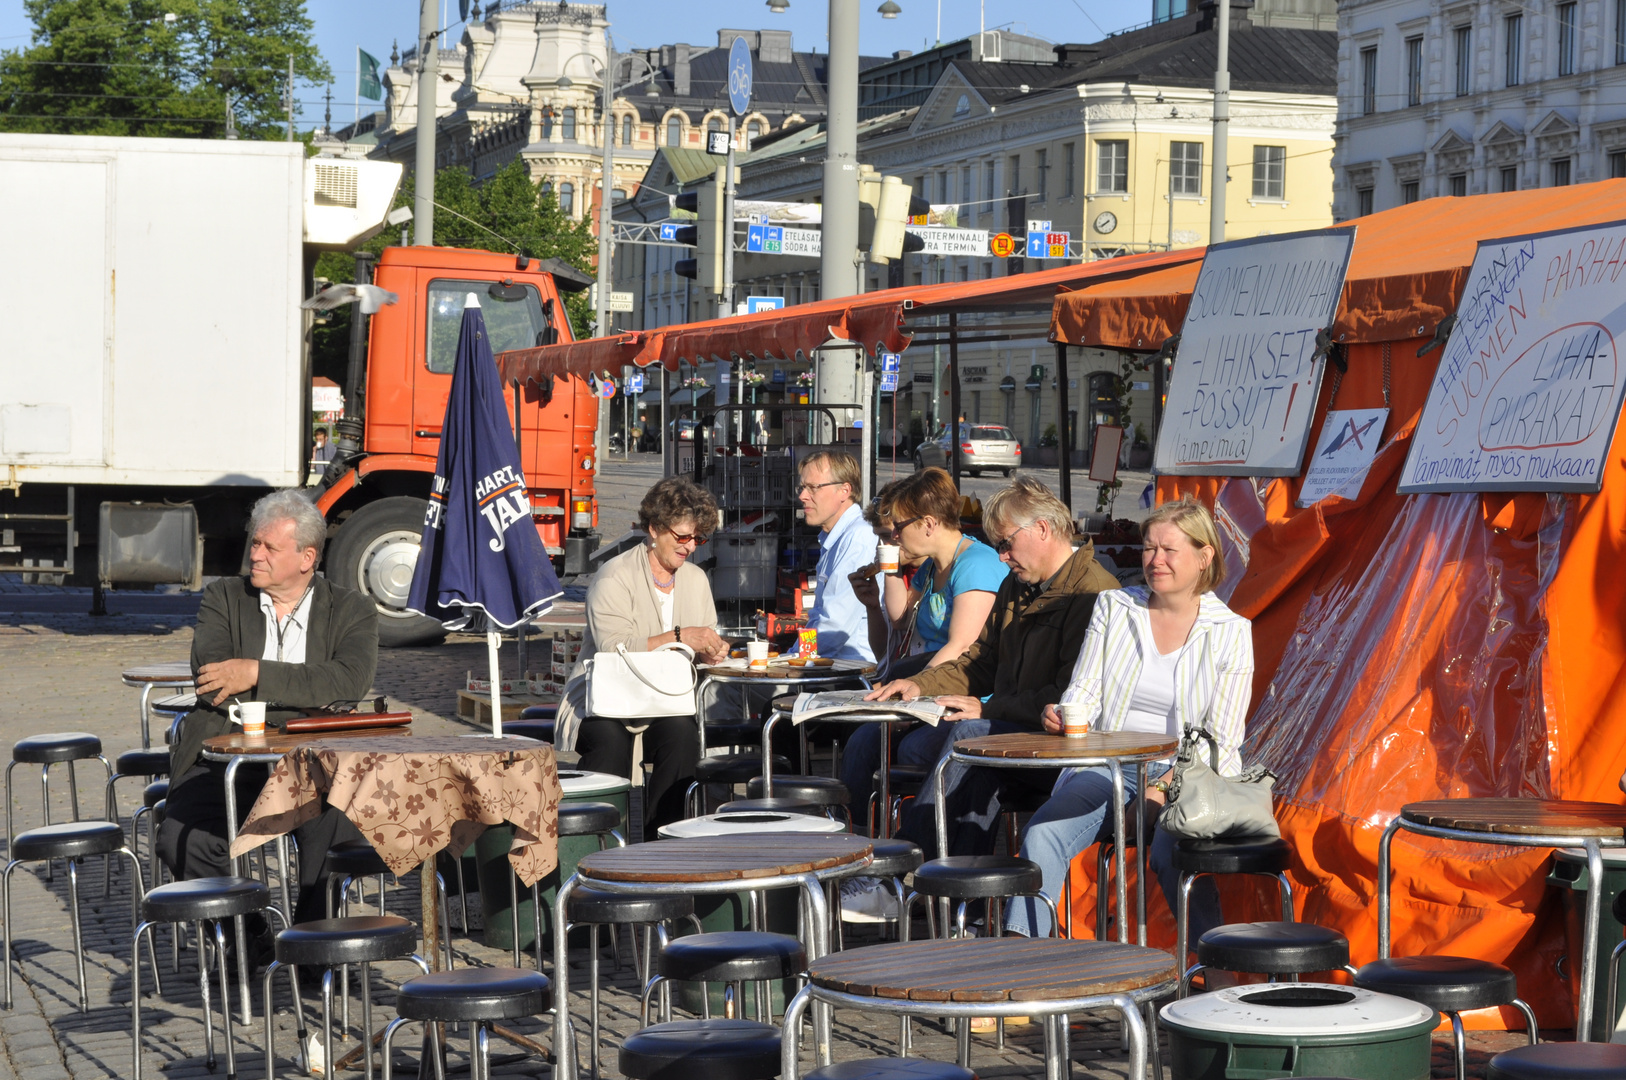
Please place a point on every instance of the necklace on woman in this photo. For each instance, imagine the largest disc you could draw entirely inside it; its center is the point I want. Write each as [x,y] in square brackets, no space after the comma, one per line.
[659,584]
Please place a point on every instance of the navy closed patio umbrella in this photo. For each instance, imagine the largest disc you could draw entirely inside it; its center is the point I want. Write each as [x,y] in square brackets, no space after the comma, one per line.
[480,549]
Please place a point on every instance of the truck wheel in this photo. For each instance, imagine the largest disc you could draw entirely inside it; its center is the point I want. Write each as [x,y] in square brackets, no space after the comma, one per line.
[375,551]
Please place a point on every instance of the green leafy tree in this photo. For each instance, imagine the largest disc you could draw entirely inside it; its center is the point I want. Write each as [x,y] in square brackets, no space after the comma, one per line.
[507,213]
[126,67]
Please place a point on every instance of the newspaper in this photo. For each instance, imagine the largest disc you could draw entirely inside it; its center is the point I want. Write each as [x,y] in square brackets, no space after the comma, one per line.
[832,702]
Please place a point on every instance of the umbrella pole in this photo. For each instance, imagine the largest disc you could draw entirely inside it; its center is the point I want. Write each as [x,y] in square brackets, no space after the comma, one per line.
[493,642]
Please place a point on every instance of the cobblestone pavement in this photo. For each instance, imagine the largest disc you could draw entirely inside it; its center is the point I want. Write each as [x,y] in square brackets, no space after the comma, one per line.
[59,671]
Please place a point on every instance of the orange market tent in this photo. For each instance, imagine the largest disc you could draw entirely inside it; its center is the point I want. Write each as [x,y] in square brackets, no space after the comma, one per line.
[1411,647]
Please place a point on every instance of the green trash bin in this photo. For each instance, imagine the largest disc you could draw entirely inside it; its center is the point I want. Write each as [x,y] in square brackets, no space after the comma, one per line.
[1298,1029]
[1569,874]
[730,911]
[491,852]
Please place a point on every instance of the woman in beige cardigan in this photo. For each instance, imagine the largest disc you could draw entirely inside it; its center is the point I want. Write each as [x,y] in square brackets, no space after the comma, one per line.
[643,599]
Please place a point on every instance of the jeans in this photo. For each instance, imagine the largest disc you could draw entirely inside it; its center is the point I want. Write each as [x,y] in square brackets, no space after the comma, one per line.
[971,794]
[1077,817]
[861,757]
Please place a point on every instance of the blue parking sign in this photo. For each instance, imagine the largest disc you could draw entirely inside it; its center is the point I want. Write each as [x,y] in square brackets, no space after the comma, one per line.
[635,384]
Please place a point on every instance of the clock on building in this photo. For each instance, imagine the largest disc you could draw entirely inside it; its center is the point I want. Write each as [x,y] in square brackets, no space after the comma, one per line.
[1105,222]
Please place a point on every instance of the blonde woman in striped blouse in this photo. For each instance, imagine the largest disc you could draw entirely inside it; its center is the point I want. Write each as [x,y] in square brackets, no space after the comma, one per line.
[1157,658]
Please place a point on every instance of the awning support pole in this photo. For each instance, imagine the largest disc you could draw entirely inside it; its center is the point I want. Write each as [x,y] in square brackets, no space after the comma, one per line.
[954,395]
[1064,440]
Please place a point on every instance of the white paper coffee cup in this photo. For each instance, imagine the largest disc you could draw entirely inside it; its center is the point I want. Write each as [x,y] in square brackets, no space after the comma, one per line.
[887,556]
[1075,719]
[756,653]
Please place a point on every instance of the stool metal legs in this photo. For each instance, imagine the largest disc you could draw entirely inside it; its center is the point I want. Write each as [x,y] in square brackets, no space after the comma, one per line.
[433,1045]
[203,982]
[1182,946]
[327,1013]
[137,892]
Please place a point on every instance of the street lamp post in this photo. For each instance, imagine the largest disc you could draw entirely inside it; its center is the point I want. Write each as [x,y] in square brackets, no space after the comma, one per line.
[423,198]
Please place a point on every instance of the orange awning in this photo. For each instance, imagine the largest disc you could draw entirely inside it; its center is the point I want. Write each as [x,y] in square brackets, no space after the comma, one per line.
[1405,273]
[881,320]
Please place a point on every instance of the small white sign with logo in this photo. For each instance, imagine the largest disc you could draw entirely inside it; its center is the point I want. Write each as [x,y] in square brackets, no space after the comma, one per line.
[954,241]
[1343,454]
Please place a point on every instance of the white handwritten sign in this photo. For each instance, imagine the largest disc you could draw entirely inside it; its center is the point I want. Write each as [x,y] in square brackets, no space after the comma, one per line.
[1529,385]
[1245,378]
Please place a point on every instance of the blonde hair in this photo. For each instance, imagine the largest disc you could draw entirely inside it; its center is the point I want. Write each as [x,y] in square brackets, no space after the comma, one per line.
[842,465]
[1193,519]
[1024,501]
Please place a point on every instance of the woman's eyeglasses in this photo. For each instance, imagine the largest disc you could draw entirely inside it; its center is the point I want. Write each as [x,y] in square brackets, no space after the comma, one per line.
[689,538]
[1003,547]
[899,526]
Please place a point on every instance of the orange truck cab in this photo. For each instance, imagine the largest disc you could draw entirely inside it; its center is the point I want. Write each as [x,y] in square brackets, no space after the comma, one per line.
[376,491]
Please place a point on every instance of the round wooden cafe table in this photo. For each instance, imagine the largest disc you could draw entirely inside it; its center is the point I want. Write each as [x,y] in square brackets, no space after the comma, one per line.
[1041,750]
[1001,976]
[1543,823]
[711,864]
[171,675]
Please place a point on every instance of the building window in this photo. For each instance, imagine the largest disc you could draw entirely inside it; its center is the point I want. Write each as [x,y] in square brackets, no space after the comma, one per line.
[965,184]
[944,194]
[547,123]
[1042,166]
[713,124]
[1560,170]
[1510,178]
[618,195]
[1408,192]
[1363,201]
[1458,183]
[674,132]
[1617,164]
[1513,48]
[1069,170]
[1414,71]
[1566,38]
[1463,36]
[626,131]
[567,200]
[567,125]
[989,188]
[1186,168]
[1013,175]
[1369,80]
[1270,172]
[752,131]
[1112,165]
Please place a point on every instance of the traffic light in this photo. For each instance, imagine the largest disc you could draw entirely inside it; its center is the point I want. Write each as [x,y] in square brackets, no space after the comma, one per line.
[886,204]
[706,235]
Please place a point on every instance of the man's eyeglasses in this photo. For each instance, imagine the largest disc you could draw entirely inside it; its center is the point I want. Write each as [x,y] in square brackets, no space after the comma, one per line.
[898,527]
[689,538]
[814,487]
[1003,547]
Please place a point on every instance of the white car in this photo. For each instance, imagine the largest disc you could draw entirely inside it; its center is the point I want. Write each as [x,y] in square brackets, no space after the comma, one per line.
[983,448]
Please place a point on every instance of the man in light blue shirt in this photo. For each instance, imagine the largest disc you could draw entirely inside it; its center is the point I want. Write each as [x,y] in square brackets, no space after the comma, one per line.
[831,482]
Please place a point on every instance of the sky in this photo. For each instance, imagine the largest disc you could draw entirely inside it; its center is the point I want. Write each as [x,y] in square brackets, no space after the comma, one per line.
[342,25]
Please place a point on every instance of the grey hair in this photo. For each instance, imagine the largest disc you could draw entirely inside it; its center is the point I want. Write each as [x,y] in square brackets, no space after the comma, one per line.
[291,504]
[1024,501]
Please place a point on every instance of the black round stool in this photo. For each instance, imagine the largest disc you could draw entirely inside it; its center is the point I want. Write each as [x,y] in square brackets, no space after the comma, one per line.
[539,728]
[350,862]
[902,782]
[1270,948]
[330,944]
[890,863]
[196,901]
[729,770]
[477,996]
[1451,985]
[779,804]
[731,957]
[892,1069]
[1560,1061]
[714,1049]
[963,878]
[733,733]
[64,747]
[70,842]
[600,819]
[147,764]
[151,795]
[1266,857]
[823,791]
[594,908]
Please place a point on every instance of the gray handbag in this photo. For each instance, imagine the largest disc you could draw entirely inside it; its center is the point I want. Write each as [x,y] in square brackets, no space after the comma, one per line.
[1203,805]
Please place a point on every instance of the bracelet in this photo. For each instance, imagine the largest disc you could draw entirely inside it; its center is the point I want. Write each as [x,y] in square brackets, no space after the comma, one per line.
[1160,785]
[677,635]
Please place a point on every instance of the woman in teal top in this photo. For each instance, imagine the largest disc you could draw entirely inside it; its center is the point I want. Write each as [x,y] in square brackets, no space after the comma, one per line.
[947,620]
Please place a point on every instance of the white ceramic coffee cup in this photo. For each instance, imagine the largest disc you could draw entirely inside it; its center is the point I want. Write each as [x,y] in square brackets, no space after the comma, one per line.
[887,556]
[1075,719]
[251,715]
[756,653]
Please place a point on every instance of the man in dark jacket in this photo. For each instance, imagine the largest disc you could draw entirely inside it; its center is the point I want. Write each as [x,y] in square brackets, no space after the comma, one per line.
[288,638]
[1020,662]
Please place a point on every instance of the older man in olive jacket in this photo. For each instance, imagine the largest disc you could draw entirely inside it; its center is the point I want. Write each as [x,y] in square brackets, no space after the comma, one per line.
[1020,662]
[288,638]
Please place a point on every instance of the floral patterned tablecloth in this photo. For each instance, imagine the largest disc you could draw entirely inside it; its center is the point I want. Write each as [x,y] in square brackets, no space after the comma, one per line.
[412,796]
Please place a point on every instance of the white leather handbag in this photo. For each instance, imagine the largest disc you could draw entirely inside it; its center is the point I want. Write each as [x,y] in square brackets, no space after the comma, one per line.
[642,685]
